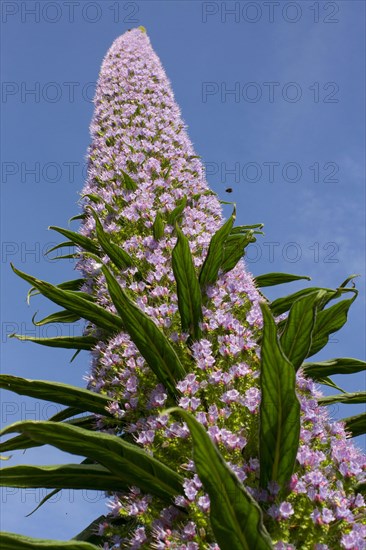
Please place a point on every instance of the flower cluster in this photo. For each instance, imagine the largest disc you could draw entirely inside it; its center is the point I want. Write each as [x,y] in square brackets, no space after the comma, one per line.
[137,130]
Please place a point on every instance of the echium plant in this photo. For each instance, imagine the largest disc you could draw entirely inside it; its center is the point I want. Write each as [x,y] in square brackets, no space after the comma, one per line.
[207,428]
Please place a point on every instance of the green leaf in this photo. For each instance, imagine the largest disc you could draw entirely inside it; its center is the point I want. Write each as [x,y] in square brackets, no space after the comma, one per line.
[65,414]
[62,316]
[236,518]
[279,410]
[68,342]
[65,244]
[57,392]
[65,257]
[73,302]
[128,462]
[343,365]
[175,214]
[158,227]
[62,476]
[214,258]
[234,249]
[188,288]
[281,305]
[119,257]
[328,321]
[24,442]
[355,424]
[77,217]
[75,355]
[75,284]
[333,295]
[272,279]
[43,501]
[83,242]
[13,541]
[96,199]
[326,381]
[52,494]
[148,338]
[129,183]
[346,398]
[296,338]
[348,280]
[245,228]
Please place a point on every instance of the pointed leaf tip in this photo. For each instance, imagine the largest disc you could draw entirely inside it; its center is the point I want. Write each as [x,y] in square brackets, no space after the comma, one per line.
[235,516]
[279,409]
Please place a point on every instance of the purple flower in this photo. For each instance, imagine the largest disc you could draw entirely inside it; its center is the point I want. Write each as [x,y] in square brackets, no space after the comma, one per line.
[146,438]
[285,510]
[139,537]
[204,503]
[252,399]
[327,515]
[231,396]
[189,530]
[191,487]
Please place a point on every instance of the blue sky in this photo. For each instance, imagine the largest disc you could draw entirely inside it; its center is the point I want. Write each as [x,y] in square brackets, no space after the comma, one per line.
[273,95]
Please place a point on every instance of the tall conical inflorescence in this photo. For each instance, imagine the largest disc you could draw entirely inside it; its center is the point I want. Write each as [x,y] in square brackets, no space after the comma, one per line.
[207,429]
[146,196]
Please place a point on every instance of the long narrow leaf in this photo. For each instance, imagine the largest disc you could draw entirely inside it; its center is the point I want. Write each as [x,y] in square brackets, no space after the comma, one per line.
[236,518]
[74,284]
[245,228]
[80,240]
[326,381]
[13,541]
[356,424]
[343,365]
[52,494]
[128,462]
[72,301]
[346,398]
[279,410]
[65,244]
[148,338]
[175,214]
[348,280]
[281,305]
[68,342]
[129,183]
[328,321]
[188,288]
[73,256]
[57,392]
[272,279]
[119,257]
[77,217]
[158,227]
[62,476]
[62,316]
[23,442]
[296,338]
[234,249]
[43,501]
[65,414]
[213,261]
